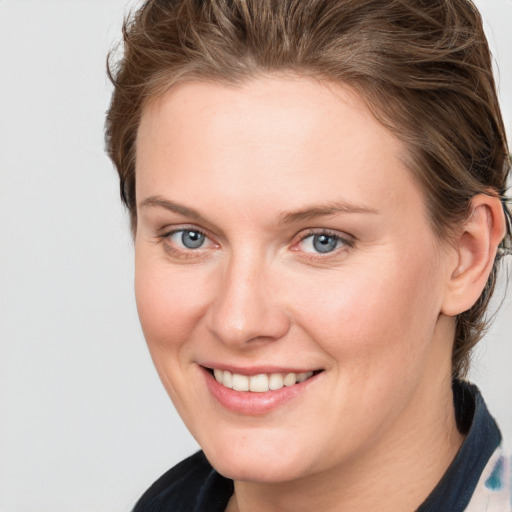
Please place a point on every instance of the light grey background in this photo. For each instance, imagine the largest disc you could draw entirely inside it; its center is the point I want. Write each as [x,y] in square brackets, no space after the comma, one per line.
[85,425]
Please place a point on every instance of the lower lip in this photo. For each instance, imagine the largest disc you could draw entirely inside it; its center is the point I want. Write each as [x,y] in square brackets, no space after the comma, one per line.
[252,403]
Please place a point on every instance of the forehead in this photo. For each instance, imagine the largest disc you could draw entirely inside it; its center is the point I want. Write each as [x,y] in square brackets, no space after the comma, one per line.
[274,140]
[264,110]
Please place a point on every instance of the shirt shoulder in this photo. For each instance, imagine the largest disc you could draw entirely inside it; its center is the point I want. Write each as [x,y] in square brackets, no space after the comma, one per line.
[189,486]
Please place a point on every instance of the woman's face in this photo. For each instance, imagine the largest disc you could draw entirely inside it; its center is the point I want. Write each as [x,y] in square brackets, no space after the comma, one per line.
[279,232]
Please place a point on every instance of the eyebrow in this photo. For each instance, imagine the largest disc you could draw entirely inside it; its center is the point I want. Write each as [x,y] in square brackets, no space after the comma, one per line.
[310,212]
[159,201]
[323,210]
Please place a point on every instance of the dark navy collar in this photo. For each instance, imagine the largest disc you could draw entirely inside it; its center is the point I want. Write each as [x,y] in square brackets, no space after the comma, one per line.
[453,492]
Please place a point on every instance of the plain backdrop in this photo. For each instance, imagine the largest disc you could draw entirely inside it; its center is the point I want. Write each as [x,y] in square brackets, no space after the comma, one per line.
[85,425]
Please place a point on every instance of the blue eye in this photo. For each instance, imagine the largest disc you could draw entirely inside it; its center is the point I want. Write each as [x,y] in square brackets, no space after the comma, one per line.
[188,238]
[325,243]
[321,243]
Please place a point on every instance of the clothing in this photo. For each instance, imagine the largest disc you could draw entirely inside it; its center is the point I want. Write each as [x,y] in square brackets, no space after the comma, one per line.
[478,480]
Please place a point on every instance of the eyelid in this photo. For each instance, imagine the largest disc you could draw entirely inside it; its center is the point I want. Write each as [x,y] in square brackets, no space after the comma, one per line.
[165,236]
[167,231]
[347,240]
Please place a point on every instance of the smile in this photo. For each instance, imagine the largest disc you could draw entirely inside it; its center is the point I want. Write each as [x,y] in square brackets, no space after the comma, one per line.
[260,383]
[256,391]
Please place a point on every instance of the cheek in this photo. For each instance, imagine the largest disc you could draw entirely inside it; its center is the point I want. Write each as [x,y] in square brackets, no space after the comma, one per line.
[170,302]
[170,306]
[380,317]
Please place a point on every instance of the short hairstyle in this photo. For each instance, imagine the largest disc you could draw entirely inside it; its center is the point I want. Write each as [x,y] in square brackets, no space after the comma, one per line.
[423,68]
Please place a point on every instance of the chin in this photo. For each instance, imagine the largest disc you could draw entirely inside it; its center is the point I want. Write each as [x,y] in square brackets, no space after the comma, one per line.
[258,460]
[248,469]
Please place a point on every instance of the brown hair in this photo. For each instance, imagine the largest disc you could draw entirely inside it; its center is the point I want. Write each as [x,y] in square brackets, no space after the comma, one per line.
[424,69]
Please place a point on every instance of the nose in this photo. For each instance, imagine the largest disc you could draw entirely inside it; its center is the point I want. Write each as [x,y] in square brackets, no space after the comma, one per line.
[246,307]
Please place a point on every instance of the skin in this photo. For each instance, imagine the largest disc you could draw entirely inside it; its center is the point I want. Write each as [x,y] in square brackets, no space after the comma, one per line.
[376,429]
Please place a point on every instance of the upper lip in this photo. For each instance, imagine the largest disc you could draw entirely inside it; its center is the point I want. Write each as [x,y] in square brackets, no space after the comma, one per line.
[257,369]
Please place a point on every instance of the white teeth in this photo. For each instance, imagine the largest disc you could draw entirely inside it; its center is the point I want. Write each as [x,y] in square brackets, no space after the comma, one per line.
[259,383]
[290,379]
[301,377]
[240,382]
[275,381]
[228,379]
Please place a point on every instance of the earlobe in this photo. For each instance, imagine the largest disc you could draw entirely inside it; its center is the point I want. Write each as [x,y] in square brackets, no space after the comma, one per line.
[476,250]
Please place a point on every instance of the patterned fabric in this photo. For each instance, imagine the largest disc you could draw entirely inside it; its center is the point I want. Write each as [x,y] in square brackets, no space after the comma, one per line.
[455,490]
[493,493]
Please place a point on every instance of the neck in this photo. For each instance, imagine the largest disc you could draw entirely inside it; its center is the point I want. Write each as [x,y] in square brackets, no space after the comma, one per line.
[395,474]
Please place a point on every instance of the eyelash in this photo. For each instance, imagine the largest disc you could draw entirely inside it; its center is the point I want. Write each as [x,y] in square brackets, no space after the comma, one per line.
[179,252]
[346,242]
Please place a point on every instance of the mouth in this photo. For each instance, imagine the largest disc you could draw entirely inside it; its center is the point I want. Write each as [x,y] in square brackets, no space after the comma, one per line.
[260,383]
[256,392]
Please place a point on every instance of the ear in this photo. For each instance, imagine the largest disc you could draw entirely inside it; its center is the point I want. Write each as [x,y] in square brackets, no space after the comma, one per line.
[475,253]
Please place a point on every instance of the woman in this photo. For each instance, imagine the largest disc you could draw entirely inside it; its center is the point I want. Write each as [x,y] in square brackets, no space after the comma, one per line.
[317,196]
